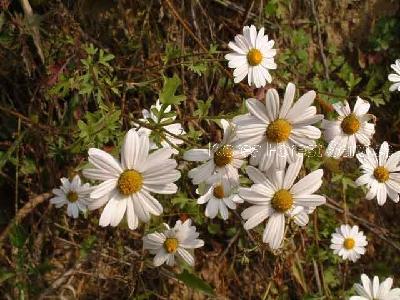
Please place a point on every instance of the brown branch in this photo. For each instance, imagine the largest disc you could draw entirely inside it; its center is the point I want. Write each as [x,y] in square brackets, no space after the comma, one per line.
[185,25]
[321,45]
[35,30]
[23,212]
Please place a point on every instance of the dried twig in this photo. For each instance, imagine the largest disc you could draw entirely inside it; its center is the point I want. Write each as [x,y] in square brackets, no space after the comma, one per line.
[35,30]
[23,212]
[321,45]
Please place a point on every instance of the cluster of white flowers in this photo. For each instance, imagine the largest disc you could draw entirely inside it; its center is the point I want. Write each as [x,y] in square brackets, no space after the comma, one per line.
[274,134]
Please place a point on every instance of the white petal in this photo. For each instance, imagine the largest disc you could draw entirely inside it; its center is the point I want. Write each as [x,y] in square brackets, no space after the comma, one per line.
[120,208]
[130,149]
[186,256]
[272,104]
[292,172]
[381,194]
[301,219]
[308,184]
[212,208]
[301,104]
[274,230]
[361,107]
[383,153]
[103,188]
[287,100]
[153,241]
[104,161]
[160,257]
[98,174]
[255,215]
[257,109]
[110,211]
[131,217]
[155,159]
[141,212]
[197,155]
[309,200]
[169,188]
[393,161]
[150,203]
[256,175]
[223,210]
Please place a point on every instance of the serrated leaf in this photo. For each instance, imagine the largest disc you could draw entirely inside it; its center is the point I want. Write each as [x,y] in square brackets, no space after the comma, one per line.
[167,95]
[195,283]
[199,69]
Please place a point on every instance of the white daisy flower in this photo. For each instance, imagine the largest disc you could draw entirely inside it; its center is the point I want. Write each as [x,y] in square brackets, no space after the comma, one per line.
[253,56]
[348,242]
[74,194]
[380,175]
[349,128]
[173,241]
[372,290]
[275,196]
[395,77]
[175,128]
[276,130]
[127,185]
[219,196]
[225,158]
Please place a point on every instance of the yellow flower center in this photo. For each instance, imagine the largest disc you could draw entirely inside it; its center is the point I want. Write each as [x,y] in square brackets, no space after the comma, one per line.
[278,131]
[282,201]
[130,182]
[350,124]
[349,243]
[171,244]
[254,57]
[381,174]
[223,156]
[219,191]
[72,197]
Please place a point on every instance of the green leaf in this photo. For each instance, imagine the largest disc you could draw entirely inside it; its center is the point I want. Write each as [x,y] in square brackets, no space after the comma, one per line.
[214,228]
[18,236]
[199,68]
[213,48]
[195,283]
[5,275]
[87,245]
[167,95]
[2,20]
[7,156]
[203,107]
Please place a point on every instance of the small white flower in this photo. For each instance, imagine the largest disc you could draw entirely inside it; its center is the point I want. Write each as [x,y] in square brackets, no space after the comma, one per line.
[372,290]
[349,128]
[348,242]
[253,56]
[173,241]
[175,128]
[74,194]
[380,175]
[219,196]
[275,196]
[127,185]
[225,158]
[277,130]
[395,77]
